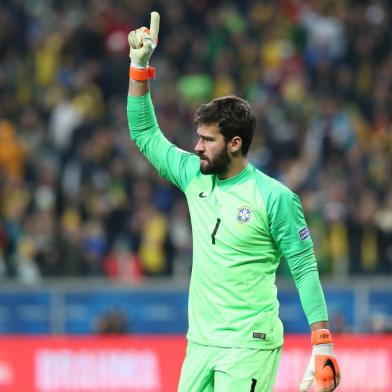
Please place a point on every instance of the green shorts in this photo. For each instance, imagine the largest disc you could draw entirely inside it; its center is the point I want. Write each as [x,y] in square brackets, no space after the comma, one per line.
[219,369]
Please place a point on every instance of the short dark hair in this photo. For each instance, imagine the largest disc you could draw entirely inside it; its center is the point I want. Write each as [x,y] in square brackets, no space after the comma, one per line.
[234,116]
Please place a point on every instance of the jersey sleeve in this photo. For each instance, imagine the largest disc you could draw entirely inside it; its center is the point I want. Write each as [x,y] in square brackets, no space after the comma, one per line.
[173,164]
[291,234]
[287,223]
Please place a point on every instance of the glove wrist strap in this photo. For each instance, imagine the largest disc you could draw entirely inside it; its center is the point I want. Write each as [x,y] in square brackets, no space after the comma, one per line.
[141,74]
[321,336]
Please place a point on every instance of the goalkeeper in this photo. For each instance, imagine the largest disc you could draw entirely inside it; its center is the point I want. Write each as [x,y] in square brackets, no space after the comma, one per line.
[242,223]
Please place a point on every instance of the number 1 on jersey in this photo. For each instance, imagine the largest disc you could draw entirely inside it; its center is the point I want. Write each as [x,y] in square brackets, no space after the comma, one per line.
[218,221]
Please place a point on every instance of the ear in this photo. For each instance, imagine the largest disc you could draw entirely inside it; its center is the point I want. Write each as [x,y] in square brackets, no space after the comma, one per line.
[235,145]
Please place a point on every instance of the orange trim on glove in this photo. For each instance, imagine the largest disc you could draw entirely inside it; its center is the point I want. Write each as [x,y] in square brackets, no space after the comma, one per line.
[327,373]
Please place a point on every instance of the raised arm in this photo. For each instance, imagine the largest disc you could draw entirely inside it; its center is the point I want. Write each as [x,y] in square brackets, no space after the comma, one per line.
[175,165]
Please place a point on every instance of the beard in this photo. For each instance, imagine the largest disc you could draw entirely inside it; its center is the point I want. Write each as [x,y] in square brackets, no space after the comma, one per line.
[217,165]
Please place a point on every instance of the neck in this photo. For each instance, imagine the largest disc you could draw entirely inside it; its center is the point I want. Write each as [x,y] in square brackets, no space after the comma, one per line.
[236,166]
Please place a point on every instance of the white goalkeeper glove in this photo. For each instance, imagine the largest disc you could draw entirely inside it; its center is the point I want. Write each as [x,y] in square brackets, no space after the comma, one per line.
[323,368]
[142,43]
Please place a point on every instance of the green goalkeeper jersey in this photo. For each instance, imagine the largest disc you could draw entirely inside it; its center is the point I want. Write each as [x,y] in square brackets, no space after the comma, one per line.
[241,228]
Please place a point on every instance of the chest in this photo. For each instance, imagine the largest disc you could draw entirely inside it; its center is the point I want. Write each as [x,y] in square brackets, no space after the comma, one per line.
[233,217]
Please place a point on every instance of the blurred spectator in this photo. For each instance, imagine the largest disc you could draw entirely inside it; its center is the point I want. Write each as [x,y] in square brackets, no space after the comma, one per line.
[27,271]
[94,247]
[153,246]
[112,323]
[383,223]
[12,154]
[180,236]
[122,265]
[72,186]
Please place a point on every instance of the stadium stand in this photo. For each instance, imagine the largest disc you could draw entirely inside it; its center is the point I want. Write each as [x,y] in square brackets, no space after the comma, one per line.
[77,199]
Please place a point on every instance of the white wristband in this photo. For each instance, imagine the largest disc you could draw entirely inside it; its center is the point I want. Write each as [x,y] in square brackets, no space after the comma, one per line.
[138,66]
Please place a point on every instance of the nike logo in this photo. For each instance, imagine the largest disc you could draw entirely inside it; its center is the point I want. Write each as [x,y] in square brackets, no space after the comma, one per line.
[329,363]
[202,195]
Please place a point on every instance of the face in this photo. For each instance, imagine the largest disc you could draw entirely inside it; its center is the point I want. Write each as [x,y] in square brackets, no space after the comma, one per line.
[212,150]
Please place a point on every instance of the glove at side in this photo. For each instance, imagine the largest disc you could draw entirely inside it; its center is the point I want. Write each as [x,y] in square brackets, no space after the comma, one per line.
[323,368]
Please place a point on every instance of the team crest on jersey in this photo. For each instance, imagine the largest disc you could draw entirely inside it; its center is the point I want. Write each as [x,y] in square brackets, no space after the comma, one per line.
[244,214]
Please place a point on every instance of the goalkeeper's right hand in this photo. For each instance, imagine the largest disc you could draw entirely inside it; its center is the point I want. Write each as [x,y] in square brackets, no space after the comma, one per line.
[142,43]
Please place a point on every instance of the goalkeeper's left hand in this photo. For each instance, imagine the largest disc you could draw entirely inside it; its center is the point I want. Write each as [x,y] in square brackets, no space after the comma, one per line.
[323,368]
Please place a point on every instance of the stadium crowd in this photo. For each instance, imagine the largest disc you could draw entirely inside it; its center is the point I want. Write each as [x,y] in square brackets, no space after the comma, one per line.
[77,198]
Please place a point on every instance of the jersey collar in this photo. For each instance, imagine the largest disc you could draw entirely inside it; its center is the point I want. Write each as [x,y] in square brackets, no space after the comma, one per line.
[239,178]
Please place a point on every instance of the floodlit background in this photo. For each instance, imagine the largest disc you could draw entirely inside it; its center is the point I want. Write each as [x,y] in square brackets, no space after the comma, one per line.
[93,242]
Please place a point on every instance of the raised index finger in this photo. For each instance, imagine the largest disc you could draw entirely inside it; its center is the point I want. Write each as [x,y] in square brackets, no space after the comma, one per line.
[154,26]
